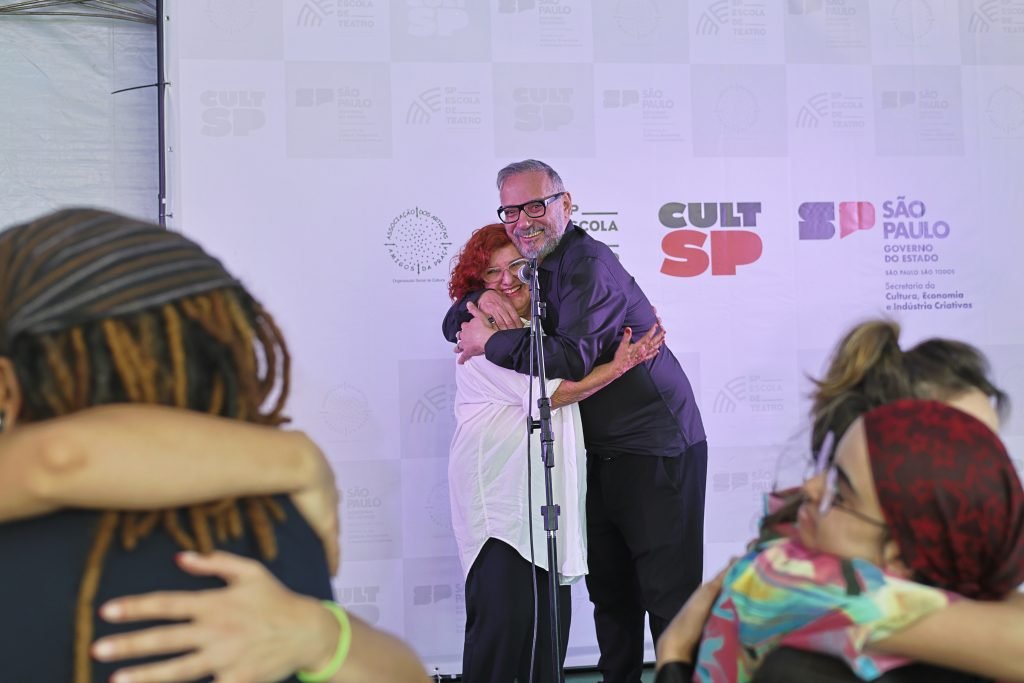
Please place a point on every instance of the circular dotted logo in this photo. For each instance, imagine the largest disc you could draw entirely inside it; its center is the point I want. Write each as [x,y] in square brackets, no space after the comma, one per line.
[913,19]
[345,410]
[417,240]
[637,18]
[1006,109]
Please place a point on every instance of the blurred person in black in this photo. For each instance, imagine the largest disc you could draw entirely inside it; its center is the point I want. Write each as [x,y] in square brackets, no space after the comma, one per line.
[141,398]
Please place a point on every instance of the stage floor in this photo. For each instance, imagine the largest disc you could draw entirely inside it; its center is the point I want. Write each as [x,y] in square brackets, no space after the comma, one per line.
[589,676]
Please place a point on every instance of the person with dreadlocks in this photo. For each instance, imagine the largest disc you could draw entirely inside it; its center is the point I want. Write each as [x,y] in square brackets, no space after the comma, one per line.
[95,309]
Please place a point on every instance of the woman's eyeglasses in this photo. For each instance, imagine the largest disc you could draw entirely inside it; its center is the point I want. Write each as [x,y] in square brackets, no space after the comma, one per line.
[830,496]
[493,274]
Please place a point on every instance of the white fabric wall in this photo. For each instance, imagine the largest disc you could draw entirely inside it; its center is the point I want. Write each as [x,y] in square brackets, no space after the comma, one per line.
[64,138]
[338,152]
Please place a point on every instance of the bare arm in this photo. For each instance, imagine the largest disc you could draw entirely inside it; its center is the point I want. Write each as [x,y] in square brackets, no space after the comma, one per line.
[679,641]
[379,656]
[986,638]
[144,457]
[627,356]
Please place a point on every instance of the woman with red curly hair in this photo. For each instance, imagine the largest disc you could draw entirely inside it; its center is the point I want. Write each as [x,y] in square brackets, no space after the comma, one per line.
[494,485]
[470,263]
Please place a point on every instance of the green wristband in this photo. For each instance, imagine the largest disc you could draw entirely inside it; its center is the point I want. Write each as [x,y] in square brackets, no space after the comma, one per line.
[340,654]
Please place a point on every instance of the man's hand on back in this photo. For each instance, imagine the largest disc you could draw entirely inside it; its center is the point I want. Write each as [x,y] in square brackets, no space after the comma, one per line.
[474,334]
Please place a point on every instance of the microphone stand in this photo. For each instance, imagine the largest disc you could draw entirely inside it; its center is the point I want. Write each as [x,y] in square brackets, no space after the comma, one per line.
[549,511]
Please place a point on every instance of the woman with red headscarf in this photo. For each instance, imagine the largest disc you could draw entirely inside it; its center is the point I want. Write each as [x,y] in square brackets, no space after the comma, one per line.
[904,547]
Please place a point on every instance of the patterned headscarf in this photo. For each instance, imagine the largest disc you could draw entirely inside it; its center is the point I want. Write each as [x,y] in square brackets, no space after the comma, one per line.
[951,496]
[80,265]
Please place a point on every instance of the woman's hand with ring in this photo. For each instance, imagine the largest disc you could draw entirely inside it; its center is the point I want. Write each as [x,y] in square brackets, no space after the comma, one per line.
[475,333]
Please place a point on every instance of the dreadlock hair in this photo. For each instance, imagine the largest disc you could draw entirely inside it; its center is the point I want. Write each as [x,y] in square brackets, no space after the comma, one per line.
[218,352]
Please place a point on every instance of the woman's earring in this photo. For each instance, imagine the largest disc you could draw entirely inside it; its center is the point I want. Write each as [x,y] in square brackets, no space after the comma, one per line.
[3,420]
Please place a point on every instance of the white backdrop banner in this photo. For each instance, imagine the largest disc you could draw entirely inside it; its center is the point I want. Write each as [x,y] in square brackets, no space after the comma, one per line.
[770,172]
[67,137]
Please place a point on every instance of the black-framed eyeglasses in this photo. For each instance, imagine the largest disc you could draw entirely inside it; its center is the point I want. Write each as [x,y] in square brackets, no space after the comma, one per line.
[493,274]
[829,499]
[534,208]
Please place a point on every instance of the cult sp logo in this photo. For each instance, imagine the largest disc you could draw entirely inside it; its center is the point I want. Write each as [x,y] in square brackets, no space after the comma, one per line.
[729,247]
[542,108]
[232,112]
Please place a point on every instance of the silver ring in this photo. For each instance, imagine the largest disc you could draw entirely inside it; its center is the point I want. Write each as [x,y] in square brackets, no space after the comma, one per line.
[490,320]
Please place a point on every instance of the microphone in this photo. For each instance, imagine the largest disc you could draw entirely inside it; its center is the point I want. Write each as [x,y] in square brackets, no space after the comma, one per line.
[527,271]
